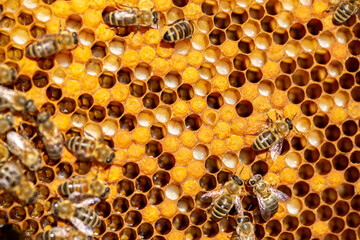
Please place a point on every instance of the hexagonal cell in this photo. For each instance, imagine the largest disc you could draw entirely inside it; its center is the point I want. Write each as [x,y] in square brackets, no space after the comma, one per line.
[30,227]
[15,53]
[215,100]
[85,101]
[205,24]
[7,23]
[73,23]
[128,233]
[40,79]
[209,7]
[244,108]
[67,105]
[222,20]
[280,36]
[25,18]
[99,50]
[156,196]
[234,32]
[64,170]
[128,122]
[155,84]
[174,14]
[115,109]
[86,37]
[185,92]
[23,83]
[163,226]
[97,113]
[48,107]
[268,24]
[125,75]
[201,41]
[150,101]
[107,80]
[93,67]
[153,148]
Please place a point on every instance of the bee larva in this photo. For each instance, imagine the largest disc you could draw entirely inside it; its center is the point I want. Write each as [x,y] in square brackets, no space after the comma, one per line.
[273,137]
[86,149]
[83,186]
[15,100]
[6,122]
[22,148]
[52,44]
[181,29]
[57,233]
[12,180]
[7,74]
[267,196]
[245,229]
[50,135]
[84,219]
[131,17]
[228,196]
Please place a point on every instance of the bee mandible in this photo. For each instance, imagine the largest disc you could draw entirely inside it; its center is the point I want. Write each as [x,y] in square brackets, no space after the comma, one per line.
[50,135]
[52,44]
[228,196]
[267,196]
[180,30]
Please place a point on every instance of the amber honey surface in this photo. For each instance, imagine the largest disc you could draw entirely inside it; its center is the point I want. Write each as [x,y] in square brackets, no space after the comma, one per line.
[178,114]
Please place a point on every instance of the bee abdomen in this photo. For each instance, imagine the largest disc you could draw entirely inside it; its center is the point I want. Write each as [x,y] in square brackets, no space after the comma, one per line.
[180,31]
[73,185]
[272,204]
[221,208]
[343,13]
[10,176]
[88,217]
[121,18]
[53,152]
[80,146]
[264,140]
[43,48]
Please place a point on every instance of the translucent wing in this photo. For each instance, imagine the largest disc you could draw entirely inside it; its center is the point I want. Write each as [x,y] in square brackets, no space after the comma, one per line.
[279,195]
[7,94]
[60,232]
[212,194]
[265,212]
[238,206]
[81,226]
[250,237]
[16,143]
[87,202]
[276,149]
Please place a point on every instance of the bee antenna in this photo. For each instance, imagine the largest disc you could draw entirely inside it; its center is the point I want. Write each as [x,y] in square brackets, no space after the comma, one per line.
[249,207]
[294,116]
[241,171]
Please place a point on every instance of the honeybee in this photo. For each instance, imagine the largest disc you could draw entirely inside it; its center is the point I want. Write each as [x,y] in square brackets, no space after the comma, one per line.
[343,10]
[52,44]
[131,17]
[245,229]
[57,233]
[51,136]
[86,149]
[22,148]
[12,180]
[181,29]
[15,100]
[6,122]
[273,138]
[267,196]
[84,219]
[7,74]
[82,185]
[4,153]
[228,196]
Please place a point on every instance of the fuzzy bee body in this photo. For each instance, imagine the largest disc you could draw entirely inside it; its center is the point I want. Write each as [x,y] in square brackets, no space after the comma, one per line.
[83,218]
[12,180]
[6,122]
[228,196]
[244,229]
[52,44]
[15,100]
[22,148]
[83,185]
[86,149]
[51,136]
[4,153]
[57,233]
[7,74]
[181,30]
[131,17]
[268,197]
[345,10]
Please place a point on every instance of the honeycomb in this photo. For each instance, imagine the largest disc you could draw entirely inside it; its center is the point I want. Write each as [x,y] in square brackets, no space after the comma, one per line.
[178,115]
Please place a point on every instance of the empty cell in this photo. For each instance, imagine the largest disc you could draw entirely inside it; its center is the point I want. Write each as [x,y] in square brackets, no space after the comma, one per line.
[222,20]
[128,233]
[301,189]
[130,170]
[256,11]
[308,108]
[345,144]
[328,150]
[125,187]
[166,161]
[138,201]
[107,80]
[341,208]
[313,91]
[268,24]
[301,77]
[290,223]
[318,73]
[283,82]
[82,167]
[97,113]
[347,81]
[215,100]
[200,152]
[23,83]
[207,182]
[25,18]
[155,84]
[244,108]
[153,148]
[286,236]
[217,37]
[352,64]
[133,218]
[143,183]
[158,131]
[241,62]
[193,232]
[247,155]
[273,228]
[198,216]
[251,28]
[346,191]
[115,109]
[168,96]
[305,60]
[311,154]
[125,75]
[40,79]
[296,95]
[259,167]
[312,200]
[323,167]
[205,24]
[30,227]
[163,226]
[86,37]
[150,101]
[335,68]
[314,26]
[103,209]
[45,175]
[67,105]
[322,56]
[288,65]
[348,234]
[254,74]
[176,126]
[306,171]
[355,203]
[234,32]
[353,219]
[239,16]
[354,47]
[307,218]
[210,229]
[273,7]
[64,170]
[332,133]
[121,205]
[185,204]
[297,31]
[185,92]
[355,94]
[93,67]
[161,178]
[237,79]
[156,196]
[73,23]
[336,225]
[137,88]
[85,101]
[246,45]
[280,36]
[7,23]
[143,71]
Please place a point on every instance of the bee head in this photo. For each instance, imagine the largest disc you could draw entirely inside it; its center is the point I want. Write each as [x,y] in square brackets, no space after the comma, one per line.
[106,192]
[155,17]
[238,180]
[110,159]
[42,117]
[254,180]
[289,123]
[75,36]
[243,219]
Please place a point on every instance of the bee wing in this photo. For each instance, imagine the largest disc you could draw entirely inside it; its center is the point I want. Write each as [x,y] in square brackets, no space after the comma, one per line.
[212,194]
[276,149]
[265,212]
[60,232]
[238,206]
[81,226]
[7,94]
[279,195]
[15,142]
[250,237]
[87,202]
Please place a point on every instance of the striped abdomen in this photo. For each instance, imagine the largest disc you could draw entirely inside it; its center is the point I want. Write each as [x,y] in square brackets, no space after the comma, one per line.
[222,207]
[88,217]
[179,31]
[264,141]
[121,18]
[344,12]
[49,235]
[271,203]
[10,175]
[80,147]
[44,48]
[79,185]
